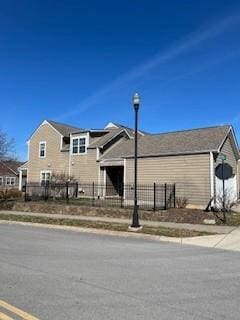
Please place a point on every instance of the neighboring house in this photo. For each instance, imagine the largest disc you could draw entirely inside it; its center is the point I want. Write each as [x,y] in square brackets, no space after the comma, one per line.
[187,158]
[9,174]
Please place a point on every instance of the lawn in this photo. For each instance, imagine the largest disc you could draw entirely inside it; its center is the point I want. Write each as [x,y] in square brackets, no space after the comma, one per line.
[160,231]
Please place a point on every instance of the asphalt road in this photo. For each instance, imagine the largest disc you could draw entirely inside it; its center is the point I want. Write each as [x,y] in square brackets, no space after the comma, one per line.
[63,275]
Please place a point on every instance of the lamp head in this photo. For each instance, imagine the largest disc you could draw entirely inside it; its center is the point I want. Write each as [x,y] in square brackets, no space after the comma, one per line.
[136,101]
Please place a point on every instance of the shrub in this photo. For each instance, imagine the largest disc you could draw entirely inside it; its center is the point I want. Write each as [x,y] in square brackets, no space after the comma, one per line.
[10,194]
[181,202]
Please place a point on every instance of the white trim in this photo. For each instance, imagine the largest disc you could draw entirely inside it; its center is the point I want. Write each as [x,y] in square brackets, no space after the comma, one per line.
[124,177]
[28,152]
[212,174]
[86,136]
[39,149]
[97,154]
[111,125]
[140,132]
[10,184]
[117,134]
[27,175]
[20,177]
[238,178]
[234,138]
[104,182]
[44,171]
[99,182]
[69,158]
[42,124]
[61,142]
[20,180]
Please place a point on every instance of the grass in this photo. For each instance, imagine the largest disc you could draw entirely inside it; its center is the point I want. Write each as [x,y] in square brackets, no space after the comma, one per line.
[233,219]
[160,231]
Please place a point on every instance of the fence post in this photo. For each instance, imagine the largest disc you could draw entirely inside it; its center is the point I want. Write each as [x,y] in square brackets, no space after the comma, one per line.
[165,196]
[122,193]
[25,191]
[174,195]
[154,196]
[93,189]
[76,191]
[67,195]
[45,192]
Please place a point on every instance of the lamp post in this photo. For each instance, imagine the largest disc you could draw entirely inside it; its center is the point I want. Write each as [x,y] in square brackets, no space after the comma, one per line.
[135,217]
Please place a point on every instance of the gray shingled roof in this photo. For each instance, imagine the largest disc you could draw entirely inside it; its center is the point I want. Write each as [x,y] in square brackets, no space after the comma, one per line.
[172,143]
[9,166]
[107,137]
[63,129]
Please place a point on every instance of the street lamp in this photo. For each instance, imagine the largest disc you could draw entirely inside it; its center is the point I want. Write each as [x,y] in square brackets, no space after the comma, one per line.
[135,218]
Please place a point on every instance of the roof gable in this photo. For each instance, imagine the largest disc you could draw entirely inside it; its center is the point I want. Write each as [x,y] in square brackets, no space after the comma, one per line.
[62,129]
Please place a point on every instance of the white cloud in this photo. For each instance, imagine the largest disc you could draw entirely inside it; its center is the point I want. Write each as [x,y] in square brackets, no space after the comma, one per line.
[194,40]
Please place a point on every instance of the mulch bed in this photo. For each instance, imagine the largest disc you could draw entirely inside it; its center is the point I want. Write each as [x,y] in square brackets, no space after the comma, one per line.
[194,216]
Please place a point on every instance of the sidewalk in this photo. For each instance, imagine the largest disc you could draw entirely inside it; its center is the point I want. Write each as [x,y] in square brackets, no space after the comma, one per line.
[188,226]
[226,237]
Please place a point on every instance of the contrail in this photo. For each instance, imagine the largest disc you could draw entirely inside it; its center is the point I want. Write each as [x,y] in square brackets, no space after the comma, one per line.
[192,41]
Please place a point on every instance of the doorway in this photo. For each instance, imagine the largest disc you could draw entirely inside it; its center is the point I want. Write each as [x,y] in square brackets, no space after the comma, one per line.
[114,181]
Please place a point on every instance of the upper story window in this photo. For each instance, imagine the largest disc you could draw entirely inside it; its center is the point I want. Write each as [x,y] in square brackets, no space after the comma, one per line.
[79,145]
[42,149]
[10,181]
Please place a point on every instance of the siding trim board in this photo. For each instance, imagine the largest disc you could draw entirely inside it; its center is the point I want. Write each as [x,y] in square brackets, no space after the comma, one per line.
[162,155]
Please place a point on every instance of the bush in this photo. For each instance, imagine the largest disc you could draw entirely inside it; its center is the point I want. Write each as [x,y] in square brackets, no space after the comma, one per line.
[181,202]
[10,194]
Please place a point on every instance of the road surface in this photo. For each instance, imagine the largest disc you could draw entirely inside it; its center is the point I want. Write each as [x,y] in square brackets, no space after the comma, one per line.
[63,275]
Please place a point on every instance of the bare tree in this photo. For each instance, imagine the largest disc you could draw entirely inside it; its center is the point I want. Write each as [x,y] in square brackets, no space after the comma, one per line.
[61,178]
[6,146]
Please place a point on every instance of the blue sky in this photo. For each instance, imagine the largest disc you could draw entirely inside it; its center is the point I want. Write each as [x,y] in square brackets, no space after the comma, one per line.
[80,62]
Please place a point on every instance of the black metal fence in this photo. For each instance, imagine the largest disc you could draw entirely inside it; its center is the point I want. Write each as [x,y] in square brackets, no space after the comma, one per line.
[150,196]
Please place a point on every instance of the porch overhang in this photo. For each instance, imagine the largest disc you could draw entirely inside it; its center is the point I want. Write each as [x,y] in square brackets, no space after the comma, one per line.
[112,162]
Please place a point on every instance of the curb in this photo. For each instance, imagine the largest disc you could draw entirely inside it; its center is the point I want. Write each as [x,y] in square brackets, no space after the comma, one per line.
[210,242]
[96,231]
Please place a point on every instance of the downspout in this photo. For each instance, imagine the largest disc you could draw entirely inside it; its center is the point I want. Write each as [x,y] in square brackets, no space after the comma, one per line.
[124,178]
[20,180]
[212,176]
[69,158]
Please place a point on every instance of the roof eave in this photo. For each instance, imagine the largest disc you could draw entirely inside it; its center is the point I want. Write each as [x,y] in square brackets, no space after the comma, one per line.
[171,154]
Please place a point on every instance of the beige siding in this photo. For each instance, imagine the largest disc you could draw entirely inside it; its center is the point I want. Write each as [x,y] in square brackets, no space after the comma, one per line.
[55,161]
[227,149]
[84,167]
[190,173]
[238,178]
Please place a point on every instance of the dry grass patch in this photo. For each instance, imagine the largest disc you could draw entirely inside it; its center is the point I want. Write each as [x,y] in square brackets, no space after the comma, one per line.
[160,231]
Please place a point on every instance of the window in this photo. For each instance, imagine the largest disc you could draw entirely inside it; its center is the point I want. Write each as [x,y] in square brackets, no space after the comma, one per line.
[45,177]
[42,149]
[10,181]
[79,145]
[1,181]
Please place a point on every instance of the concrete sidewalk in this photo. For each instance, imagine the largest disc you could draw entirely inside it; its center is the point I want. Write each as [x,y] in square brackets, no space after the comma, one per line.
[188,226]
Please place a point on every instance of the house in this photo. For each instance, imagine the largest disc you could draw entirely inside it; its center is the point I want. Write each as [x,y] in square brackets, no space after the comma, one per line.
[9,174]
[188,158]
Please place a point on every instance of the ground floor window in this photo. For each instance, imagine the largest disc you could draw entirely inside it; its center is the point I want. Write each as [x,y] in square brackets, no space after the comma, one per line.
[45,177]
[10,181]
